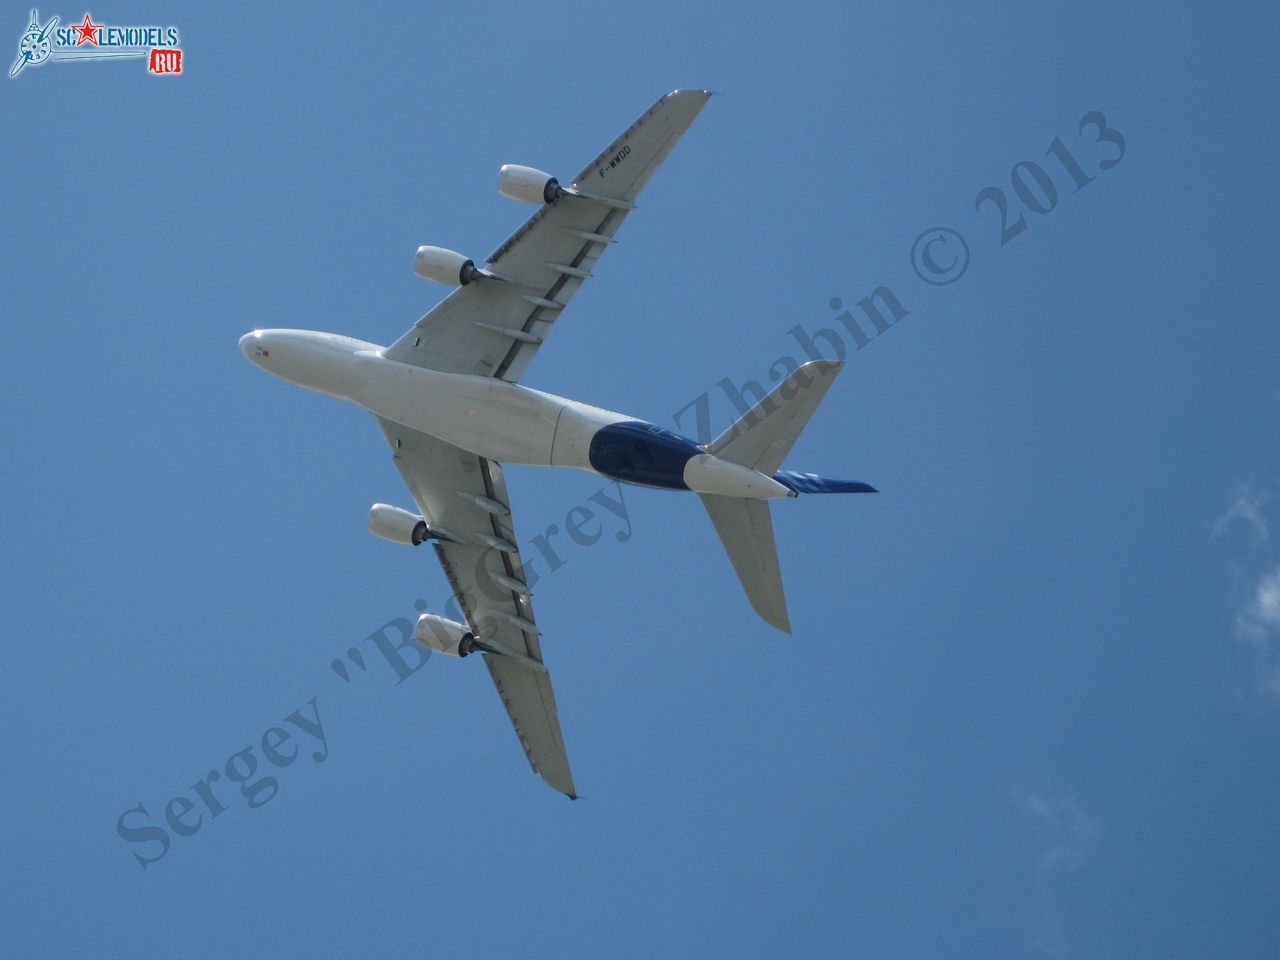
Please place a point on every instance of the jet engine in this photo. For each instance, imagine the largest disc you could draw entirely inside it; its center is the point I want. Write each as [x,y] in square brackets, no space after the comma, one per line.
[398,526]
[444,266]
[527,184]
[444,636]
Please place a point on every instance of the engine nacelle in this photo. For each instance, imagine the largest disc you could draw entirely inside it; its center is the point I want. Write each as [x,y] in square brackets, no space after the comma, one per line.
[443,266]
[398,526]
[444,636]
[527,184]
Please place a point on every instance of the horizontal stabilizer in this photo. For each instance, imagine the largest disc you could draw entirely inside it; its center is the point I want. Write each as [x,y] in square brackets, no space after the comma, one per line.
[759,441]
[746,530]
[767,431]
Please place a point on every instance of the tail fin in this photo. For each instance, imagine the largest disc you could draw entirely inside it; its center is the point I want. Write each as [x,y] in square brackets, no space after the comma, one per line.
[760,440]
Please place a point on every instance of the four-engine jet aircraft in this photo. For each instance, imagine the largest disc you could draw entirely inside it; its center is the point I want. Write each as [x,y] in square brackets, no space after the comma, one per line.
[446,397]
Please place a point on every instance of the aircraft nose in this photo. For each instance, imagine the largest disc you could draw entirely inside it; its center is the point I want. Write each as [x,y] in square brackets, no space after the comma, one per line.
[249,345]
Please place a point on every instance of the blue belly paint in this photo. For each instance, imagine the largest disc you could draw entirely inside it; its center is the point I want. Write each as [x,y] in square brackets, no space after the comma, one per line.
[638,452]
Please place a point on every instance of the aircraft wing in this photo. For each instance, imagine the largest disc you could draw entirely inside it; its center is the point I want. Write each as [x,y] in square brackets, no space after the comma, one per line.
[452,488]
[492,327]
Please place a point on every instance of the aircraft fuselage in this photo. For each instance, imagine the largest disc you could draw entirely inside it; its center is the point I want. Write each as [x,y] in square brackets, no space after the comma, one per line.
[498,420]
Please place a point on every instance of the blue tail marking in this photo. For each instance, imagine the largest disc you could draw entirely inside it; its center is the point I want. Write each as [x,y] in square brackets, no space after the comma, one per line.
[813,483]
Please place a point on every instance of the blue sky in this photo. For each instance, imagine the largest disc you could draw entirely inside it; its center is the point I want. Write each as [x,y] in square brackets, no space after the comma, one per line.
[1031,707]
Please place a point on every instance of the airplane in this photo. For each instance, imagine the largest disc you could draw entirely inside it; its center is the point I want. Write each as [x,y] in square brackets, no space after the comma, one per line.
[448,399]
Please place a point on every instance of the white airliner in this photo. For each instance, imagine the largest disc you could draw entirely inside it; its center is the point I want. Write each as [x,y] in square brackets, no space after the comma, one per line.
[447,399]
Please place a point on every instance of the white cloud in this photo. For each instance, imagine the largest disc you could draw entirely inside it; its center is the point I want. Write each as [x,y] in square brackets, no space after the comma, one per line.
[1246,506]
[1256,588]
[1066,834]
[1258,628]
[1259,621]
[1066,831]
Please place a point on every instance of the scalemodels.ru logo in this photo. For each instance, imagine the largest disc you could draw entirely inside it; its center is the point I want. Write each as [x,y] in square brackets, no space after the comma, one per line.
[98,41]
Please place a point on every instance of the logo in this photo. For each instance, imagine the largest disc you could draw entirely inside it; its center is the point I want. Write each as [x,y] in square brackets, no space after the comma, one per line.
[98,41]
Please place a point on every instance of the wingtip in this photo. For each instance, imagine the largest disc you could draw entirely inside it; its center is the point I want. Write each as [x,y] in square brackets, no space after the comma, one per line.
[773,610]
[565,786]
[778,619]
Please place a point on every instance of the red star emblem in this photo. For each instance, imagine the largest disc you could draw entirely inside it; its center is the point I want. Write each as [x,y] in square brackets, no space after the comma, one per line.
[88,31]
